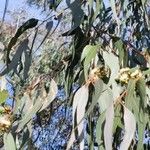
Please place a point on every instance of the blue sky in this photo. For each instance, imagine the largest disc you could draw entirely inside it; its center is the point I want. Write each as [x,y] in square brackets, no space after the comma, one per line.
[15,5]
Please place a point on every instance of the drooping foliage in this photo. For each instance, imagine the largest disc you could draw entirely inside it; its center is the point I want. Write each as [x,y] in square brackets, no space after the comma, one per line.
[104,69]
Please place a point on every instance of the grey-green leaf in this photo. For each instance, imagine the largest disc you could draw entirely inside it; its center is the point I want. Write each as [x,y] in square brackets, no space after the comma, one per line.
[89,53]
[28,116]
[9,143]
[141,88]
[108,128]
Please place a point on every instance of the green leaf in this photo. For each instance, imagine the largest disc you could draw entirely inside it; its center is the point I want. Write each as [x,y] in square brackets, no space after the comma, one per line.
[87,49]
[141,88]
[3,96]
[146,72]
[105,100]
[3,83]
[9,143]
[120,46]
[130,94]
[89,52]
[113,62]
[117,119]
[99,129]
[141,129]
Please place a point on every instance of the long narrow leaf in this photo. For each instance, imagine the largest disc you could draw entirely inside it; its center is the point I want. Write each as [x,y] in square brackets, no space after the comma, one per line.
[108,128]
[79,104]
[130,128]
[51,95]
[9,143]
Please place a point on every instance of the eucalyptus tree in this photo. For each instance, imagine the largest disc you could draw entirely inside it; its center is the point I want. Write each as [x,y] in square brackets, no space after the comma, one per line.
[107,57]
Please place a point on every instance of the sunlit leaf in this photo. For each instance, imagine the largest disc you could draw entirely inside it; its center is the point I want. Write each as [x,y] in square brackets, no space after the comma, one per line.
[82,102]
[79,103]
[113,62]
[130,128]
[9,143]
[89,53]
[108,128]
[3,96]
[87,50]
[3,83]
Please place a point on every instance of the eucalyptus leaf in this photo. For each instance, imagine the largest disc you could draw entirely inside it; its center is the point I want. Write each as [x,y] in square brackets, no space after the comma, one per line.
[130,93]
[29,115]
[89,53]
[117,118]
[31,23]
[9,143]
[3,96]
[113,62]
[141,88]
[120,46]
[130,128]
[105,99]
[108,128]
[51,95]
[79,104]
[3,83]
[141,129]
[99,128]
[16,58]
